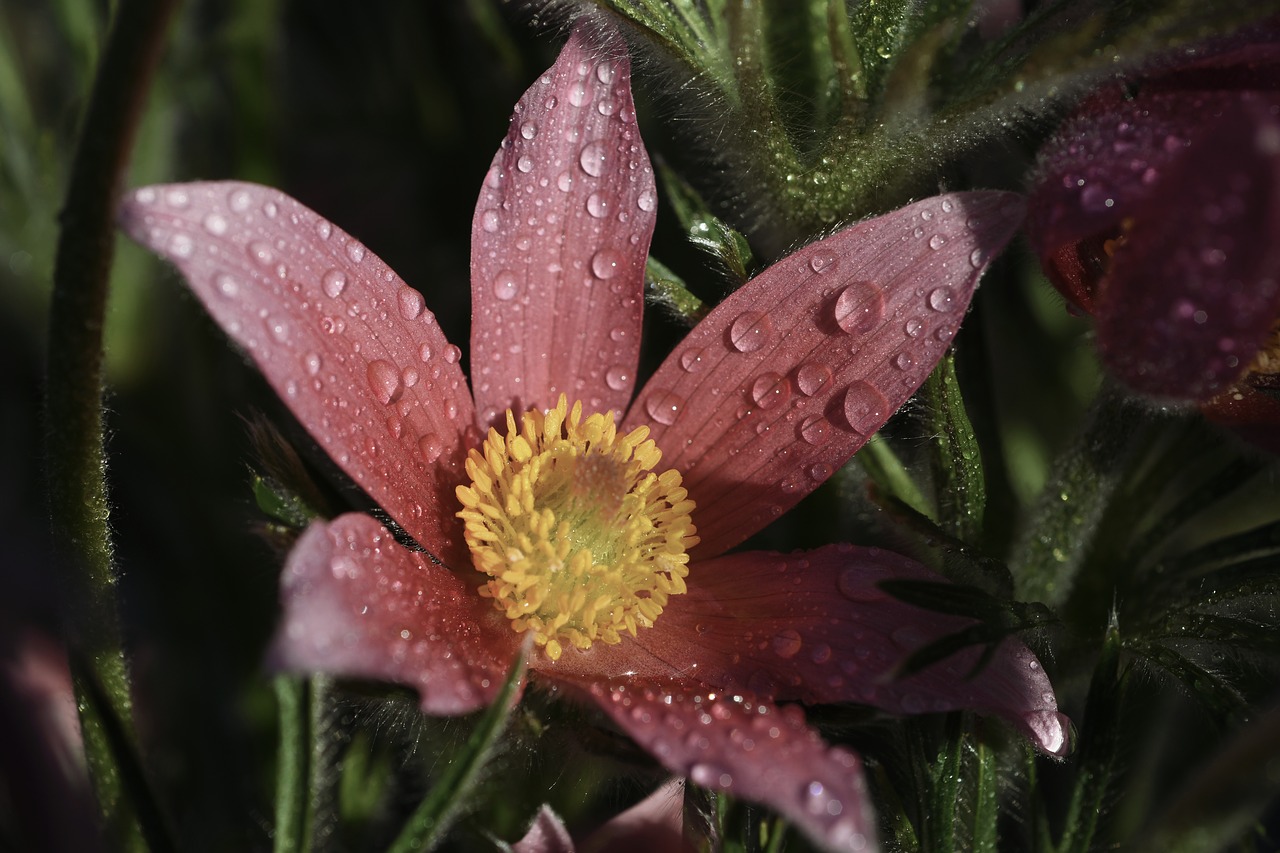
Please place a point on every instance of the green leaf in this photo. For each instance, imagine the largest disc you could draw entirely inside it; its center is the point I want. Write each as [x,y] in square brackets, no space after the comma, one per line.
[706,230]
[667,291]
[957,461]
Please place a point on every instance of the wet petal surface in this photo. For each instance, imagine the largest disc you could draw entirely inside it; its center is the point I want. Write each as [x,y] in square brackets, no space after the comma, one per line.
[789,376]
[559,241]
[348,346]
[751,749]
[356,603]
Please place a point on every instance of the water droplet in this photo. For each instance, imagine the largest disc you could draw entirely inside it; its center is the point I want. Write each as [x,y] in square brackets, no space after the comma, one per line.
[528,130]
[525,164]
[691,360]
[424,352]
[812,377]
[663,406]
[940,299]
[333,282]
[646,202]
[865,408]
[605,263]
[822,263]
[505,285]
[597,205]
[226,285]
[913,328]
[410,377]
[750,331]
[324,229]
[944,334]
[978,257]
[770,390]
[411,303]
[786,643]
[937,241]
[605,73]
[592,158]
[578,94]
[903,360]
[565,182]
[216,224]
[452,354]
[820,653]
[820,471]
[385,381]
[710,776]
[355,252]
[430,446]
[616,377]
[860,307]
[182,245]
[239,200]
[815,430]
[261,252]
[312,363]
[491,221]
[278,329]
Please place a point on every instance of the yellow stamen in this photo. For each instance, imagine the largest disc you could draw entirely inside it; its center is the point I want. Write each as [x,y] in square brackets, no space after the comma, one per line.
[580,539]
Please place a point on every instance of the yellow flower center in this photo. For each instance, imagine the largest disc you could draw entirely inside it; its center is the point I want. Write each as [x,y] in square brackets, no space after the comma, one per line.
[580,539]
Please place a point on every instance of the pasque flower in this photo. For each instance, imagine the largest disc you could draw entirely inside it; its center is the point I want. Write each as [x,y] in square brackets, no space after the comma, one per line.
[1156,208]
[599,523]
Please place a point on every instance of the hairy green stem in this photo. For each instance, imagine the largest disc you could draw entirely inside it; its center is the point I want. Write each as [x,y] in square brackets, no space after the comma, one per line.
[75,461]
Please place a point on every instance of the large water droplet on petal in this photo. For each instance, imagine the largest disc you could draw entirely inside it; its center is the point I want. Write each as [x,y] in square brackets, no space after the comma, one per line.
[592,158]
[750,331]
[410,302]
[865,408]
[605,263]
[770,390]
[598,205]
[815,430]
[860,307]
[385,381]
[333,283]
[812,377]
[787,643]
[505,285]
[692,361]
[430,446]
[616,377]
[940,299]
[663,405]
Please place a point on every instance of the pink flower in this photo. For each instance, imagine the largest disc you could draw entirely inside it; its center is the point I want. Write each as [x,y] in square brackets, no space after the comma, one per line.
[586,537]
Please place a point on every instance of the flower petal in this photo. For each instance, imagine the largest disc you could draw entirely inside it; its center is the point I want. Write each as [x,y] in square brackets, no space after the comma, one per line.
[356,603]
[814,627]
[751,749]
[1189,299]
[785,379]
[559,241]
[346,344]
[545,835]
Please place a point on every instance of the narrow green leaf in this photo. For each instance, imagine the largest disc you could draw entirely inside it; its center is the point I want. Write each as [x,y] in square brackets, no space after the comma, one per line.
[667,291]
[957,462]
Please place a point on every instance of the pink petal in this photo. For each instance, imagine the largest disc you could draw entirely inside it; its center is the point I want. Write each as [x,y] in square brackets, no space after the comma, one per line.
[546,835]
[814,627]
[356,603]
[751,749]
[656,823]
[790,375]
[1189,298]
[346,344]
[559,241]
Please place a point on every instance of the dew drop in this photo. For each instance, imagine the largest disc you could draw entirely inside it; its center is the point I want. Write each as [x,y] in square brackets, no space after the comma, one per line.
[664,406]
[565,182]
[277,329]
[978,257]
[691,360]
[605,264]
[424,352]
[616,377]
[505,285]
[312,363]
[239,200]
[333,283]
[937,241]
[430,446]
[525,165]
[605,73]
[216,224]
[812,377]
[491,221]
[528,130]
[355,252]
[822,263]
[592,158]
[770,390]
[903,360]
[940,299]
[410,302]
[865,408]
[944,334]
[750,331]
[385,381]
[913,328]
[452,354]
[261,252]
[324,229]
[578,94]
[646,202]
[597,205]
[859,307]
[787,643]
[815,430]
[820,471]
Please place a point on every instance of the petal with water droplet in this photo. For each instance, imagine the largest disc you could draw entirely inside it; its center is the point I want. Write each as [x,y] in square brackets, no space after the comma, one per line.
[815,627]
[356,603]
[349,318]
[749,748]
[740,457]
[555,274]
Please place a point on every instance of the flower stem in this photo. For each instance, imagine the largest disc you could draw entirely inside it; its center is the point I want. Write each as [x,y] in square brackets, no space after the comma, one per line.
[426,827]
[292,766]
[76,464]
